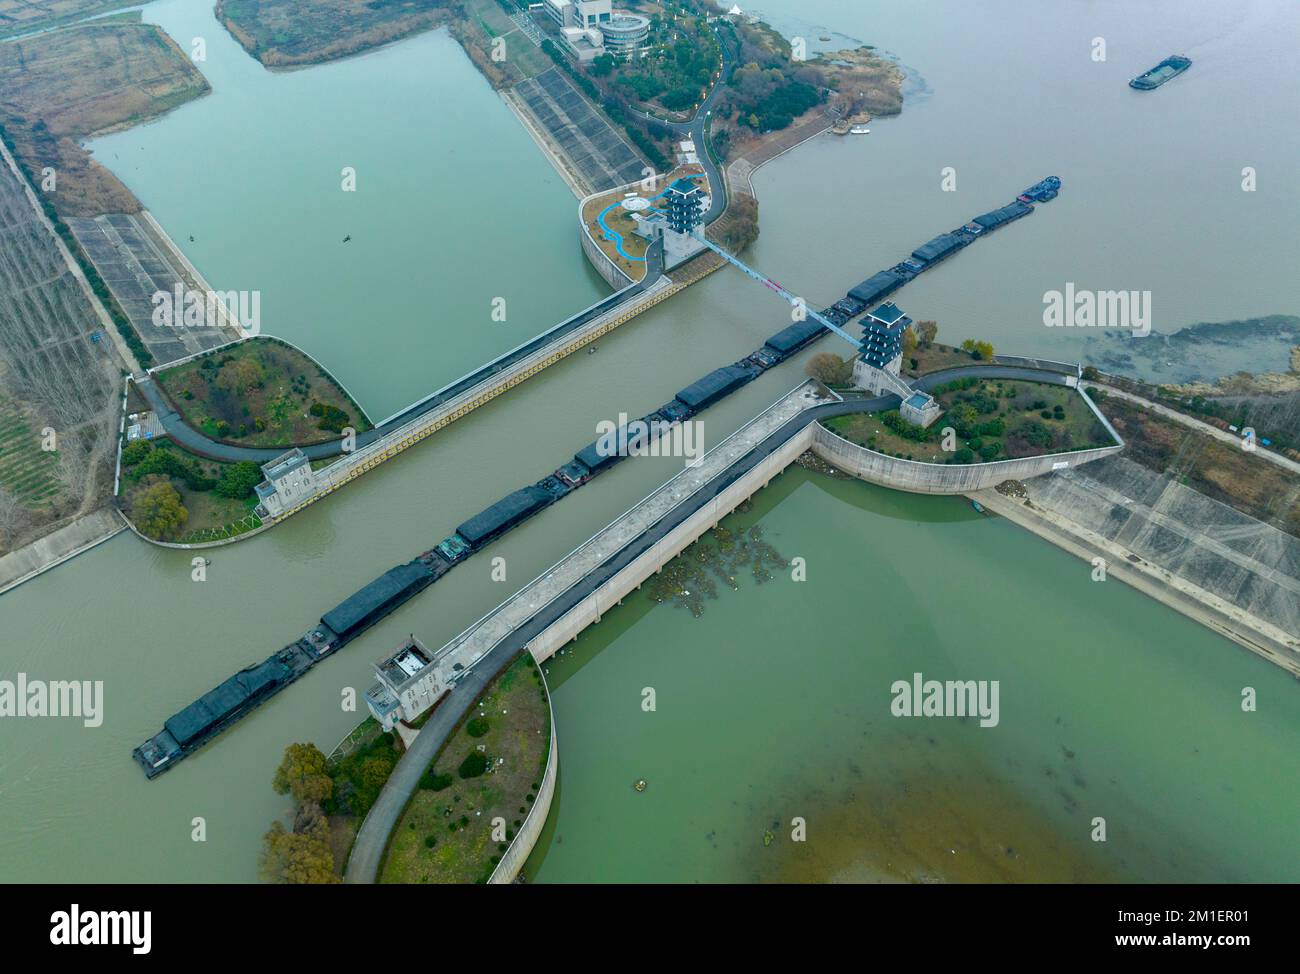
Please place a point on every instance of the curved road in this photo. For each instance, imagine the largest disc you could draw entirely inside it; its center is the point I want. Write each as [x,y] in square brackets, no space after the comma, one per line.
[372,838]
[200,443]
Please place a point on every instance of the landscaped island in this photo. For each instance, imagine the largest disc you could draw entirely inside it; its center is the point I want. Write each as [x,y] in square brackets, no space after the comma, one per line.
[993,419]
[261,392]
[479,790]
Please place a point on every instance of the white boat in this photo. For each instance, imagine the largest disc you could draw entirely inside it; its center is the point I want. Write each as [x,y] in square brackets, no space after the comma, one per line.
[859,130]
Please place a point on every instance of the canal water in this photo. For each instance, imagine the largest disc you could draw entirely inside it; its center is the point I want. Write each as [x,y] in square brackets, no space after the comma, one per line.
[462,206]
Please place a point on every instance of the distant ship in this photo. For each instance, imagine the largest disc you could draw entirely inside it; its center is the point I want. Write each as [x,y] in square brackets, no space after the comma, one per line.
[1170,67]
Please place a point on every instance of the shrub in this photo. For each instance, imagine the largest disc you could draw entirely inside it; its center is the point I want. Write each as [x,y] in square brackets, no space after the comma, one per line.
[238,480]
[964,455]
[429,840]
[473,766]
[477,727]
[435,782]
[133,453]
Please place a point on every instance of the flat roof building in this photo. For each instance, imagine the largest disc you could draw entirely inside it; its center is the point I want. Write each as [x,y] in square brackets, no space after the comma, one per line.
[410,681]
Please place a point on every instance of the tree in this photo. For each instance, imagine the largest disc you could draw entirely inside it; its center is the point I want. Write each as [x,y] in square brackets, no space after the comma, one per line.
[297,857]
[829,369]
[602,65]
[240,375]
[13,517]
[156,508]
[927,331]
[739,228]
[980,351]
[302,773]
[239,479]
[136,451]
[909,341]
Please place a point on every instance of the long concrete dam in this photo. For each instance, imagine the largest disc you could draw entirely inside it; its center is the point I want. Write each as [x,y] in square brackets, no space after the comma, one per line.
[421,419]
[189,729]
[593,578]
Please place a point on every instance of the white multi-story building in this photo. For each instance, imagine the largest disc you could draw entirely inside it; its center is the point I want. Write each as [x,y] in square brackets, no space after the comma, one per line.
[410,682]
[289,481]
[583,14]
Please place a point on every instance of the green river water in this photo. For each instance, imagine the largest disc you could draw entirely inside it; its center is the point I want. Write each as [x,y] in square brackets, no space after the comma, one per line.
[773,704]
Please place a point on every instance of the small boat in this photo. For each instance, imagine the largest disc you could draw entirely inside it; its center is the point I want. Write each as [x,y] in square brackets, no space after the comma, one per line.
[978,506]
[859,130]
[1171,67]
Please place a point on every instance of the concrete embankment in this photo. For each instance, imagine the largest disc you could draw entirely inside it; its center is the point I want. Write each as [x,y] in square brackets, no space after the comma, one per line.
[1212,564]
[58,546]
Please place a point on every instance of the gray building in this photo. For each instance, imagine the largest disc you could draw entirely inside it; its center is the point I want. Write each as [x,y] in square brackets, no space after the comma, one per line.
[410,681]
[289,481]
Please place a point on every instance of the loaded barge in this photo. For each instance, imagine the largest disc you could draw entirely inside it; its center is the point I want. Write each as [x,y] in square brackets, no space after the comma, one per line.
[1168,69]
[189,729]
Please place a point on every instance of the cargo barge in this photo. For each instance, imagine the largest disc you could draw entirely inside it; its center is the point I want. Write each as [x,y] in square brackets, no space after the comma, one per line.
[189,729]
[1168,69]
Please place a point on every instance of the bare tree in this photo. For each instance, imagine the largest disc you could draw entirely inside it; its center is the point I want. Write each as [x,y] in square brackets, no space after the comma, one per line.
[14,518]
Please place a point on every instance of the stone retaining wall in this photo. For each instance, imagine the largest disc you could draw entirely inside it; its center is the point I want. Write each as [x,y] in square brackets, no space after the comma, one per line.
[940,478]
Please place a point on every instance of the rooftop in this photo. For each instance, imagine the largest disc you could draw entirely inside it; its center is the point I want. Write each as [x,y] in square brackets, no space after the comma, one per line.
[888,313]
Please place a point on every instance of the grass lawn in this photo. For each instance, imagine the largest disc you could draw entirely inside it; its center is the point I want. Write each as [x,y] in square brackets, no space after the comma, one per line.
[995,420]
[446,834]
[938,357]
[261,393]
[489,20]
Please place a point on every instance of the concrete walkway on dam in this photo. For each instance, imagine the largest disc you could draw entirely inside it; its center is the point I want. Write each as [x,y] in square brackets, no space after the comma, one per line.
[485,647]
[198,442]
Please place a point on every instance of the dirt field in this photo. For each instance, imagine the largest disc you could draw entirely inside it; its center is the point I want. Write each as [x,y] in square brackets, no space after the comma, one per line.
[24,16]
[1228,474]
[281,33]
[60,88]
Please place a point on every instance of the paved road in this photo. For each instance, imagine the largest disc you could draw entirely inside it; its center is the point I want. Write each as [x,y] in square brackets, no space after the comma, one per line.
[697,127]
[1223,436]
[200,443]
[363,863]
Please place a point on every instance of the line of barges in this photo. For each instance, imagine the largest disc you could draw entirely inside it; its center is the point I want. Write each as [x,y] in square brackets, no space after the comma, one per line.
[190,728]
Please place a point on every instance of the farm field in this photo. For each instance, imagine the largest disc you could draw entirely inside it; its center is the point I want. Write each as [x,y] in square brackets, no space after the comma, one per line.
[58,373]
[261,392]
[23,16]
